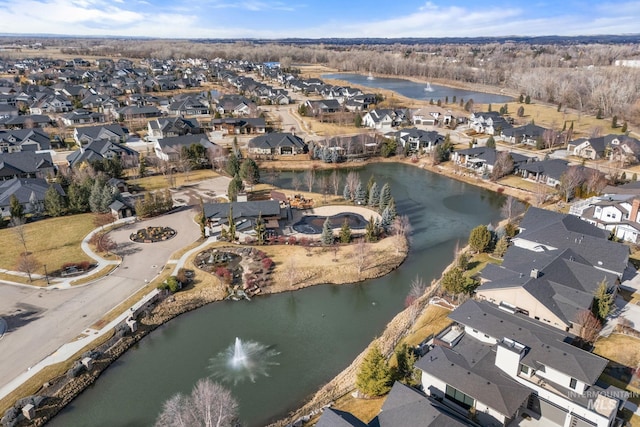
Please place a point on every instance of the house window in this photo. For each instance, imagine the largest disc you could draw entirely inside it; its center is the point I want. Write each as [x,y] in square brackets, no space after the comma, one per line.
[573,383]
[524,369]
[459,397]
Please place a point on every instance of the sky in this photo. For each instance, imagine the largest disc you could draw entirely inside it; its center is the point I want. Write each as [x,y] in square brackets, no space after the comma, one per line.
[272,19]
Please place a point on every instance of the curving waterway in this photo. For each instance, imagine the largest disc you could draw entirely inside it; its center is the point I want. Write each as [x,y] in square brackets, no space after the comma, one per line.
[316,332]
[420,91]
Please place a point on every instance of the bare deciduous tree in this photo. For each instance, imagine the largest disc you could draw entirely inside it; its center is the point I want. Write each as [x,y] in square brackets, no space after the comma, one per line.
[28,264]
[511,208]
[310,179]
[589,326]
[353,179]
[569,181]
[503,165]
[208,405]
[296,182]
[361,252]
[401,229]
[19,230]
[417,289]
[594,181]
[335,182]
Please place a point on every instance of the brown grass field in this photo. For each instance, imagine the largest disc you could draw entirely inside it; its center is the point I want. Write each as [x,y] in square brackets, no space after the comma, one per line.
[53,241]
[160,182]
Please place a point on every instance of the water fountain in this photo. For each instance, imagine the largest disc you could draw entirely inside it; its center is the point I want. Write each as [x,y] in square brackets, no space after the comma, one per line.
[428,88]
[243,360]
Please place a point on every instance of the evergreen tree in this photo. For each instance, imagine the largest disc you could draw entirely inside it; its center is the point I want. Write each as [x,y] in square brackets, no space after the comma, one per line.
[345,232]
[361,195]
[405,371]
[346,193]
[78,196]
[235,187]
[370,183]
[106,197]
[623,129]
[603,301]
[388,215]
[527,99]
[95,199]
[233,165]
[480,238]
[520,112]
[374,376]
[142,167]
[453,281]
[53,202]
[614,122]
[15,208]
[385,196]
[521,98]
[327,234]
[374,195]
[249,171]
[491,142]
[371,231]
[260,229]
[489,108]
[599,113]
[501,247]
[358,121]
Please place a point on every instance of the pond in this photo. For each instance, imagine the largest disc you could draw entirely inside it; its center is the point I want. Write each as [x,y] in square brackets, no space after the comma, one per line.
[420,91]
[316,332]
[313,224]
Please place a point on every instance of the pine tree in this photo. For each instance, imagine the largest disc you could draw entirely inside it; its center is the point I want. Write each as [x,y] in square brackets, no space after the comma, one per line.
[405,371]
[15,208]
[235,187]
[261,229]
[249,171]
[95,198]
[361,195]
[623,129]
[374,195]
[346,193]
[233,165]
[614,122]
[231,232]
[501,247]
[106,197]
[527,99]
[327,234]
[603,300]
[480,238]
[385,196]
[53,202]
[371,231]
[491,142]
[142,167]
[345,232]
[370,183]
[374,376]
[388,215]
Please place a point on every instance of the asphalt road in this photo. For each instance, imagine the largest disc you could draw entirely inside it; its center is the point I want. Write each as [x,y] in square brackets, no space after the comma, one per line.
[40,321]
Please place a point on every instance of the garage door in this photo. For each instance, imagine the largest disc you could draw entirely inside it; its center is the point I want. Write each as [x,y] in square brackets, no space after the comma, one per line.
[547,410]
[577,421]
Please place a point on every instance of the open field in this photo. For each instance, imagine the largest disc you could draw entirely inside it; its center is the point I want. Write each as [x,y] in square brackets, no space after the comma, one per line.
[619,348]
[53,241]
[160,182]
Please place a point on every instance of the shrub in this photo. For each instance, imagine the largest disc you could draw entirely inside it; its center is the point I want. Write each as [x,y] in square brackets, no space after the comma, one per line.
[267,263]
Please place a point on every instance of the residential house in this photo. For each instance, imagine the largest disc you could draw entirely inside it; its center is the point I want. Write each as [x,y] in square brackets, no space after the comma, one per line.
[501,365]
[623,149]
[26,164]
[543,231]
[616,213]
[169,149]
[528,134]
[189,106]
[135,112]
[113,133]
[277,143]
[378,119]
[25,122]
[232,125]
[30,192]
[482,159]
[548,171]
[489,123]
[51,104]
[324,106]
[7,111]
[432,116]
[170,127]
[418,140]
[82,117]
[99,149]
[245,215]
[24,140]
[588,148]
[236,105]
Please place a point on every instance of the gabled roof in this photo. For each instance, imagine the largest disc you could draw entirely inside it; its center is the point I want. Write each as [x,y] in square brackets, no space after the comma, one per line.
[176,142]
[94,132]
[407,407]
[250,209]
[23,162]
[277,139]
[597,143]
[24,189]
[470,367]
[553,168]
[565,231]
[529,130]
[97,150]
[335,418]
[21,135]
[547,345]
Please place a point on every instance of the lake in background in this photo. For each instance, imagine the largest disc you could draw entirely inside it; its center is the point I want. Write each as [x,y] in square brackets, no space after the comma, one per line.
[420,91]
[318,331]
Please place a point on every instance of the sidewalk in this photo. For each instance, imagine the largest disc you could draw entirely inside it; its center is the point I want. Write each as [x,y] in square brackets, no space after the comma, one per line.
[65,282]
[68,350]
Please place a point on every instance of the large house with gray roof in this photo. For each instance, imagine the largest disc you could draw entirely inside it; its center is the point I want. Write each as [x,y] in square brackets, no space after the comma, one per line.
[26,164]
[30,192]
[277,143]
[496,366]
[24,140]
[169,149]
[98,150]
[113,133]
[245,215]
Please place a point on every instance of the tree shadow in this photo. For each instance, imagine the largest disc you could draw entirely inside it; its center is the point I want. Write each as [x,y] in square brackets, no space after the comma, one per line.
[127,248]
[23,315]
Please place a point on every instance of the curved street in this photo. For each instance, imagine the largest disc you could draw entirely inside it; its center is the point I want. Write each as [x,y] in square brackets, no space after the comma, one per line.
[39,321]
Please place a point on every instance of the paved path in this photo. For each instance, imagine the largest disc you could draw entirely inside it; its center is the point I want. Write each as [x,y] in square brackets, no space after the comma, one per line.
[41,320]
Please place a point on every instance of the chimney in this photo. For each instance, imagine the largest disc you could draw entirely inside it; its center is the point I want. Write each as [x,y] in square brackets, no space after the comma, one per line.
[535,273]
[635,206]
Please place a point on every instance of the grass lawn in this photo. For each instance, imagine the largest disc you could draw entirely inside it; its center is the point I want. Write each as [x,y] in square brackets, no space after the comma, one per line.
[619,348]
[52,241]
[480,261]
[159,182]
[432,320]
[518,182]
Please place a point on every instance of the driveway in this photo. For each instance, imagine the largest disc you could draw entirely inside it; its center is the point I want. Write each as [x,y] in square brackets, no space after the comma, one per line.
[40,321]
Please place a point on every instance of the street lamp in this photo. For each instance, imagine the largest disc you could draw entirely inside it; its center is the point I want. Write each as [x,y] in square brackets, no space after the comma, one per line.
[46,276]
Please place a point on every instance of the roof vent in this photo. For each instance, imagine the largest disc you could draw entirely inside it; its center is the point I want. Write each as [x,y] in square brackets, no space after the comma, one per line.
[535,273]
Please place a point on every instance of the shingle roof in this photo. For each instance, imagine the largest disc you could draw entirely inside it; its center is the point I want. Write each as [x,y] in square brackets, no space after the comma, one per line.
[23,162]
[335,418]
[24,189]
[242,209]
[547,345]
[277,139]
